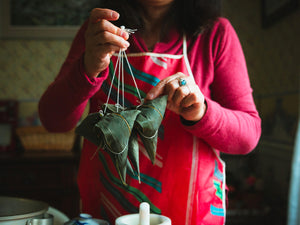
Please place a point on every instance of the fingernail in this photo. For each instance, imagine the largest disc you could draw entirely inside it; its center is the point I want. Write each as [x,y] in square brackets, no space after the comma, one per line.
[150,96]
[124,34]
[114,14]
[126,44]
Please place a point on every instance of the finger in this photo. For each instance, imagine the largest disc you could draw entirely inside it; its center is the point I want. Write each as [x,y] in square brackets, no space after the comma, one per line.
[98,14]
[193,106]
[106,37]
[159,89]
[105,25]
[194,112]
[191,112]
[195,96]
[189,100]
[180,93]
[107,49]
[170,88]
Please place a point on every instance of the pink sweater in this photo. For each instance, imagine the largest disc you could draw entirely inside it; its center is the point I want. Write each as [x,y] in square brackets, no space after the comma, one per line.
[231,123]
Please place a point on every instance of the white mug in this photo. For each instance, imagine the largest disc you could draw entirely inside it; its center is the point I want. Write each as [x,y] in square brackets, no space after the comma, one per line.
[133,219]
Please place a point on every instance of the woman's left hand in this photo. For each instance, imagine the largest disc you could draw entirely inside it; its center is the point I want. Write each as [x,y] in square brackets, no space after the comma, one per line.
[184,96]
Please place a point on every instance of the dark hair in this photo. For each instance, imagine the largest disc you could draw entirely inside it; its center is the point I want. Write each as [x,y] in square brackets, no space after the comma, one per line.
[190,16]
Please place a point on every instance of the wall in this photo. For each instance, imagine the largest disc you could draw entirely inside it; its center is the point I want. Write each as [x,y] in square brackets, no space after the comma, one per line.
[271,53]
[28,66]
[274,70]
[26,69]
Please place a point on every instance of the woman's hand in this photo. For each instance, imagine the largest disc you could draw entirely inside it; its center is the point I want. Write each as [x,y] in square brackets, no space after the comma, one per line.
[102,39]
[184,96]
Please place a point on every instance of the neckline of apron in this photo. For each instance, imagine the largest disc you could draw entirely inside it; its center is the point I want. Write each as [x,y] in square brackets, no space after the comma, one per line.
[173,56]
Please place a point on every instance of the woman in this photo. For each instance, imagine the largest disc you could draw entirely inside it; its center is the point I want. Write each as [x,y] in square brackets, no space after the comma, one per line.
[187,52]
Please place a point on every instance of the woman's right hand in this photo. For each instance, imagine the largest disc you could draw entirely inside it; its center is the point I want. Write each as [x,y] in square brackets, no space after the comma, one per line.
[102,39]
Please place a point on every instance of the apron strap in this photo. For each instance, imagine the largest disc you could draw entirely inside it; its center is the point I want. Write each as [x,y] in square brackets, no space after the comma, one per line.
[187,63]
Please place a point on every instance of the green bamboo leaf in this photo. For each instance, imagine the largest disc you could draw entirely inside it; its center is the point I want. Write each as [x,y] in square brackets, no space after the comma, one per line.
[88,130]
[133,152]
[148,122]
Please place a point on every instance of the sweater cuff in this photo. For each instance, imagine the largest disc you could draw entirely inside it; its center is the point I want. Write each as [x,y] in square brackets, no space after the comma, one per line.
[82,86]
[94,81]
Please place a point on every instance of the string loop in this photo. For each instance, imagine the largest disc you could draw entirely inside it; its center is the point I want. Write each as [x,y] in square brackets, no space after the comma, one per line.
[120,76]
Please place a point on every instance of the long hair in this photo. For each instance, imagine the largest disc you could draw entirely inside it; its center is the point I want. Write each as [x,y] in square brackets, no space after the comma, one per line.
[189,16]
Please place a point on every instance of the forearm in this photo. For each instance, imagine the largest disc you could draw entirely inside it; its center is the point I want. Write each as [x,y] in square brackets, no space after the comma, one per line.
[227,130]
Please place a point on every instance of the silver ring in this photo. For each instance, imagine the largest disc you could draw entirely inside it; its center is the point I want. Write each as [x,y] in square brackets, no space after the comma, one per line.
[182,82]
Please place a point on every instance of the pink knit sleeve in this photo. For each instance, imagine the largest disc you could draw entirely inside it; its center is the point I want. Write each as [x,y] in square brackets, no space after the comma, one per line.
[63,103]
[231,123]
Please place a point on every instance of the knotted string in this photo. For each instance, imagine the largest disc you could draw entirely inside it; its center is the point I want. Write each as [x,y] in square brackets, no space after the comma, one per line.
[120,68]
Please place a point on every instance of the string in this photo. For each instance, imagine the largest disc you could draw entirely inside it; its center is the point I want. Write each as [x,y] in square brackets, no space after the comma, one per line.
[109,92]
[123,92]
[120,67]
[97,150]
[119,74]
[131,73]
[154,135]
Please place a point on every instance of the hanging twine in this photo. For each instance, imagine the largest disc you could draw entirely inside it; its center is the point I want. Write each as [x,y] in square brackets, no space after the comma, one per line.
[120,68]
